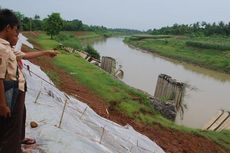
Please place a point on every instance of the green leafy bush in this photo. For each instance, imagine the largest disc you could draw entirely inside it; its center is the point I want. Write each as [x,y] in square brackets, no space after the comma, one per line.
[89,49]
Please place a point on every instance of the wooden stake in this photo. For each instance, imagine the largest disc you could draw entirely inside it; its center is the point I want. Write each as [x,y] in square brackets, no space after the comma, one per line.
[37,96]
[103,131]
[83,112]
[63,111]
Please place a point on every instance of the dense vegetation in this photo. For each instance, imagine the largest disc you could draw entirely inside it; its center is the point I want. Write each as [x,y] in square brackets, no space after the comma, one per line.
[198,29]
[37,24]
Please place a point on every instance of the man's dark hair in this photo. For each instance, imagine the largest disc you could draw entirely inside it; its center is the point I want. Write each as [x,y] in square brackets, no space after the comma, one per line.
[7,17]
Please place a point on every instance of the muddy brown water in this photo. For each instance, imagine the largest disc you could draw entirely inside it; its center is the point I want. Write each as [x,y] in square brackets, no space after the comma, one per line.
[209,92]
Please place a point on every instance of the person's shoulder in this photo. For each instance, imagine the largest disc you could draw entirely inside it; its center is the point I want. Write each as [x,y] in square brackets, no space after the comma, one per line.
[2,46]
[4,49]
[4,42]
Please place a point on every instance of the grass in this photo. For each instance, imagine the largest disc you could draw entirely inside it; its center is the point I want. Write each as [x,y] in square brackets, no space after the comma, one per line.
[120,96]
[86,35]
[69,39]
[208,45]
[46,42]
[117,94]
[142,37]
[97,80]
[222,137]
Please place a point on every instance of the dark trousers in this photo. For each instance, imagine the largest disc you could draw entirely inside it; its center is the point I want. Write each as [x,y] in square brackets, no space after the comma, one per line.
[10,128]
[23,123]
[24,115]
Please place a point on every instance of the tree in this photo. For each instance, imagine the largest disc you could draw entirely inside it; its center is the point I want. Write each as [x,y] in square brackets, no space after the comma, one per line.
[21,17]
[36,17]
[74,25]
[53,24]
[26,24]
[36,23]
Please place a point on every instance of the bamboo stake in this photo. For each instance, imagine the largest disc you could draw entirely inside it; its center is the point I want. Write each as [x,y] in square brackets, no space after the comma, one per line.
[37,96]
[83,112]
[103,131]
[59,126]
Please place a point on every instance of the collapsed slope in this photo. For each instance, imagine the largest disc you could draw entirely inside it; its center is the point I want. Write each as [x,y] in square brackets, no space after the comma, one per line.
[80,129]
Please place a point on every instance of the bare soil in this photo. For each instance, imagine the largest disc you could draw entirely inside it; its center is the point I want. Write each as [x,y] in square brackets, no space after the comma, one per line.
[171,141]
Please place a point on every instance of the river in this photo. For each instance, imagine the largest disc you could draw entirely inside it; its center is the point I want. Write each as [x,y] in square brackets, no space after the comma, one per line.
[210,89]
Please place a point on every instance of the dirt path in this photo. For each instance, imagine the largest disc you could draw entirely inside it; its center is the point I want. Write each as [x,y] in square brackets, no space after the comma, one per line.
[170,140]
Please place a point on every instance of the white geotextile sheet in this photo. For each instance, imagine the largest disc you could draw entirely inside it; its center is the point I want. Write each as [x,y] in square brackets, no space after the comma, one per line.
[81,129]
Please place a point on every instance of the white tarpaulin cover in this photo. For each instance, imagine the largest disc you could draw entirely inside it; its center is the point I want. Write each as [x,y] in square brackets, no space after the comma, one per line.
[81,129]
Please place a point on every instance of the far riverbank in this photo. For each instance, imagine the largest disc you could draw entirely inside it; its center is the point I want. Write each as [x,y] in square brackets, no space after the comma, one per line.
[207,52]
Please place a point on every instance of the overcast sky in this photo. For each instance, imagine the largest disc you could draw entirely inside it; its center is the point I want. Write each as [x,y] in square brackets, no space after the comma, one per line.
[131,14]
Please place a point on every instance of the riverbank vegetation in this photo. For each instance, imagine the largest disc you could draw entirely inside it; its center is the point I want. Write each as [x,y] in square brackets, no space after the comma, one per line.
[203,44]
[197,29]
[209,52]
[120,97]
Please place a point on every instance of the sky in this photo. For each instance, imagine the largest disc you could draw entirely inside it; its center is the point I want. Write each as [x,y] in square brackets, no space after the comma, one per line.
[130,14]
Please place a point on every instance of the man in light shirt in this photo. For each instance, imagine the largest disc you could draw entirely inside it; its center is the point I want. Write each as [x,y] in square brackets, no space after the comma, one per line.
[10,115]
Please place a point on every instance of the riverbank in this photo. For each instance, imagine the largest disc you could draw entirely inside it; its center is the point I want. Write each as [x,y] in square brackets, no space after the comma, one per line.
[209,52]
[122,104]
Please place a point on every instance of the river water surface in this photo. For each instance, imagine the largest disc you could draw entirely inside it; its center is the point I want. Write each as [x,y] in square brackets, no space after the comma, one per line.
[210,89]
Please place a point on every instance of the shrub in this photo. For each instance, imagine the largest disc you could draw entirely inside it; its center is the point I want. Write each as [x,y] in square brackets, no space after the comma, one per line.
[89,49]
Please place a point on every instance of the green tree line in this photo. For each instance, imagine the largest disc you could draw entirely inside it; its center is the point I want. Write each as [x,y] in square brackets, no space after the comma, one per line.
[36,24]
[198,28]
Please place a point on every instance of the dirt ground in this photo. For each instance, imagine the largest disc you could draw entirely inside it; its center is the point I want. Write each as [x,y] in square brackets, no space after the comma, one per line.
[170,140]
